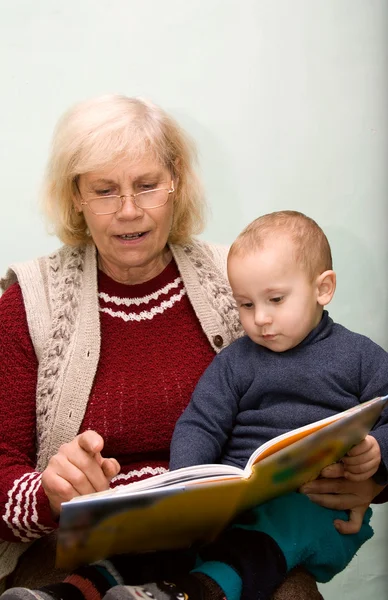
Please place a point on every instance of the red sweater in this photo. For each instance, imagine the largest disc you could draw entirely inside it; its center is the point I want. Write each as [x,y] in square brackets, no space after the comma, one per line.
[153,351]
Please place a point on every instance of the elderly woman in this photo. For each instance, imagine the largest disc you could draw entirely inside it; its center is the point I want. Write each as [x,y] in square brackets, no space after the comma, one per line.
[102,342]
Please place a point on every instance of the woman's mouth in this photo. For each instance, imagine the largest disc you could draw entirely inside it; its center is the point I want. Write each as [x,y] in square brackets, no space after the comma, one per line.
[130,236]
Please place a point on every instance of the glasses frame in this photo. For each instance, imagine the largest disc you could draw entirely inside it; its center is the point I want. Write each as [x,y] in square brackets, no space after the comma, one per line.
[133,197]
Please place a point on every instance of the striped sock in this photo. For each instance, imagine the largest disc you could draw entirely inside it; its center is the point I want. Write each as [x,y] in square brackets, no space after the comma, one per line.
[88,583]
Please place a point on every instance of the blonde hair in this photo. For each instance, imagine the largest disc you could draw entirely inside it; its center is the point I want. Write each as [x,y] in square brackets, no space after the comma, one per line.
[96,133]
[311,246]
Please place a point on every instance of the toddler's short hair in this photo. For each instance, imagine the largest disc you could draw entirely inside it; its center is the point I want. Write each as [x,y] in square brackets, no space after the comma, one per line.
[312,249]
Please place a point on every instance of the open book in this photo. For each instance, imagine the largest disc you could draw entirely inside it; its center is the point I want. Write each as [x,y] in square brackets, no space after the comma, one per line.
[194,504]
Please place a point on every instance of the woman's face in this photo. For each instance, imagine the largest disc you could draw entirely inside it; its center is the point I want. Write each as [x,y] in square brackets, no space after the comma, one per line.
[131,242]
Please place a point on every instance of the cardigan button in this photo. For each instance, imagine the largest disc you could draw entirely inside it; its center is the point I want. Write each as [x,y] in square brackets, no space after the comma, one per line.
[218,341]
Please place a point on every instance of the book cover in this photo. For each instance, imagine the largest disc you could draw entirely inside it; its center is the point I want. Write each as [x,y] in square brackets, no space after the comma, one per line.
[193,505]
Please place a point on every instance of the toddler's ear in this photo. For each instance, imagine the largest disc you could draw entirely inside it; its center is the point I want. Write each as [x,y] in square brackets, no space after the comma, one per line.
[326,283]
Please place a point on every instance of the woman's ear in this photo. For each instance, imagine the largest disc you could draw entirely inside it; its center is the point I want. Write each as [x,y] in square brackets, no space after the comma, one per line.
[175,172]
[326,284]
[76,197]
[77,204]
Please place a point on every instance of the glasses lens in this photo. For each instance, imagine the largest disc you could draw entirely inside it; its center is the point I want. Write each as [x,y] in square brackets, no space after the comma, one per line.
[151,199]
[105,206]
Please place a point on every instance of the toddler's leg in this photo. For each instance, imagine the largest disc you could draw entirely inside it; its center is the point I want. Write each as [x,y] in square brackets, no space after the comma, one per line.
[272,539]
[255,559]
[306,535]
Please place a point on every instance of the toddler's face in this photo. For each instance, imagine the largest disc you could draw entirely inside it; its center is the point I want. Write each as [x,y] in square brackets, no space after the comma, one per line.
[277,301]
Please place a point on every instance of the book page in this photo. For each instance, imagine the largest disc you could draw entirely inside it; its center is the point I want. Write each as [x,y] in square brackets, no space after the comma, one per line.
[187,475]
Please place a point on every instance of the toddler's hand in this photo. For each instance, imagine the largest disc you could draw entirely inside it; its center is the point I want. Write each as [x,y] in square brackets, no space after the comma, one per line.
[363,460]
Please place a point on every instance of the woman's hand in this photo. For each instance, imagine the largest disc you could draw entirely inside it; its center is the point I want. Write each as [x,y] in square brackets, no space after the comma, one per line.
[77,469]
[332,490]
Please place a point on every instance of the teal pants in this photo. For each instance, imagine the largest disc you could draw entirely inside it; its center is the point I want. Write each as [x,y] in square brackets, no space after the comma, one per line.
[306,535]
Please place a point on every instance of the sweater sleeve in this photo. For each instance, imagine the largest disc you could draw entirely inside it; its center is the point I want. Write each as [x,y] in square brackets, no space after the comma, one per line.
[374,382]
[24,508]
[204,427]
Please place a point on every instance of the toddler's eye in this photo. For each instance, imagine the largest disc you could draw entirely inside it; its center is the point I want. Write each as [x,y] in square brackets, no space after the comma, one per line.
[246,305]
[277,299]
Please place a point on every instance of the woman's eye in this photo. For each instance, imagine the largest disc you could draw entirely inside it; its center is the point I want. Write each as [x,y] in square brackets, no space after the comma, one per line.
[104,192]
[277,299]
[145,187]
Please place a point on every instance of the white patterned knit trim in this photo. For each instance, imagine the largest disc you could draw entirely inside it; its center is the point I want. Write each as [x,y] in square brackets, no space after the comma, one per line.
[66,291]
[146,315]
[137,473]
[145,299]
[21,502]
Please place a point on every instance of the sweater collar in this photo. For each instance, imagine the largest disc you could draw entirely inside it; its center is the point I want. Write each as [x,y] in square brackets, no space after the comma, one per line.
[320,332]
[137,290]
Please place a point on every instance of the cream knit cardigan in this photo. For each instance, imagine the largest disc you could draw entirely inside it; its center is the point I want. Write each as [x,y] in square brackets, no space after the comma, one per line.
[61,301]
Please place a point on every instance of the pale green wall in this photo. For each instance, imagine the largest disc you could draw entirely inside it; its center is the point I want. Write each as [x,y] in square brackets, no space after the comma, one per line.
[287,100]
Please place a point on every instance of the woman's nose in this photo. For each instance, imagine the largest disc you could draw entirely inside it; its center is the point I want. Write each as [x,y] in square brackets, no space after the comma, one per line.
[128,208]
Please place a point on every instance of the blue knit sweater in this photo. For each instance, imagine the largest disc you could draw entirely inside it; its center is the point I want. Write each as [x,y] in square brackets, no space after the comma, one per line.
[249,395]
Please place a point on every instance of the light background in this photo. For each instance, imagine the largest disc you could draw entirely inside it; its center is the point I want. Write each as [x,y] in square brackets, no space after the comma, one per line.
[287,101]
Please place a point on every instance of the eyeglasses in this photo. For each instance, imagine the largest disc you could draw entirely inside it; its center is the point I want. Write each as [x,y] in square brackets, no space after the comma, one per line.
[108,205]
